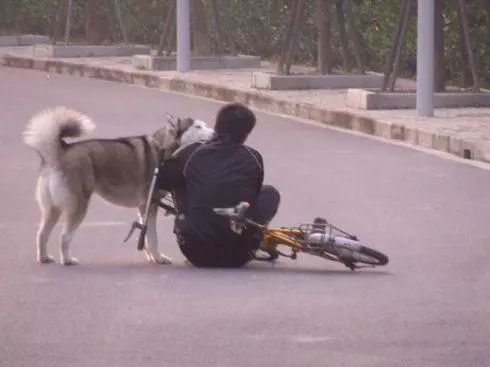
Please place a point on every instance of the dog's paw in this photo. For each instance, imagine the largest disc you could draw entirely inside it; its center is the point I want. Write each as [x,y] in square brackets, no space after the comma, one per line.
[163,260]
[45,259]
[148,255]
[70,261]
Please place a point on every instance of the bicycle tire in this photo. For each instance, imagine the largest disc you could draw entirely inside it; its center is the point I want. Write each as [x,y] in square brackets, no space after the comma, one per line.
[379,257]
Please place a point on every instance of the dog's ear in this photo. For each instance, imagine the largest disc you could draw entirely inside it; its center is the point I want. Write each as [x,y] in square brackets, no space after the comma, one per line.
[173,121]
[186,123]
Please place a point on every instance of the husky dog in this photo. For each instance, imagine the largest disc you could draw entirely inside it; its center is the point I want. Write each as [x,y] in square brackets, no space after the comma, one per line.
[119,170]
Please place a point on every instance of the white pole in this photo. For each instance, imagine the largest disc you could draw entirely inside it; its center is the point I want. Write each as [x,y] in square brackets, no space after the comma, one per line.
[183,36]
[425,58]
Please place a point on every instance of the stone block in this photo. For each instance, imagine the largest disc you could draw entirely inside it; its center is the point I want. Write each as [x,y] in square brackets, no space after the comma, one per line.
[370,100]
[31,39]
[6,41]
[426,139]
[272,81]
[151,62]
[455,146]
[68,51]
[441,142]
[383,129]
[411,135]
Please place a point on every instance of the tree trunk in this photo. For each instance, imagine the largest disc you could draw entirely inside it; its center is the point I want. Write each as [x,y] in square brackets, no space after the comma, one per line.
[399,47]
[469,51]
[343,35]
[295,36]
[439,65]
[68,21]
[324,40]
[200,34]
[118,10]
[394,47]
[465,73]
[228,35]
[217,22]
[275,10]
[172,39]
[167,29]
[354,36]
[96,23]
[113,28]
[286,39]
[57,20]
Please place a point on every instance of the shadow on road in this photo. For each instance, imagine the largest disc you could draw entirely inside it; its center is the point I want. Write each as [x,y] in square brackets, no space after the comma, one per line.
[185,270]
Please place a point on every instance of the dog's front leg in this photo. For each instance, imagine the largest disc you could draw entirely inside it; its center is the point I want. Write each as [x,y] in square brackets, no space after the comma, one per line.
[151,241]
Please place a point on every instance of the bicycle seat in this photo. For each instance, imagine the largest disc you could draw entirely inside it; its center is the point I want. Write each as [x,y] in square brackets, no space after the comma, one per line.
[236,213]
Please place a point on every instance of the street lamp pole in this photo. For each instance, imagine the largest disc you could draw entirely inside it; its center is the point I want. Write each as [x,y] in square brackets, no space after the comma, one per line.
[183,36]
[425,58]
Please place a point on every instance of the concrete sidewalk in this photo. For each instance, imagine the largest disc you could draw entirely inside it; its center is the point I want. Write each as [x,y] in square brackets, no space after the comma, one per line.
[461,132]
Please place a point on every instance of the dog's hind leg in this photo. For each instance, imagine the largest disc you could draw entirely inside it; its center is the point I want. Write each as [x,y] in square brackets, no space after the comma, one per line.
[151,241]
[50,216]
[73,220]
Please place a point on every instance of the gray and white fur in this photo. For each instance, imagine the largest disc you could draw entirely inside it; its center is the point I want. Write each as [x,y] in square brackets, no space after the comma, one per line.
[119,170]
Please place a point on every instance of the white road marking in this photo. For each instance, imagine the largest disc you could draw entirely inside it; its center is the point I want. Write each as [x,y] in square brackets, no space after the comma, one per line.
[105,224]
[84,224]
[308,339]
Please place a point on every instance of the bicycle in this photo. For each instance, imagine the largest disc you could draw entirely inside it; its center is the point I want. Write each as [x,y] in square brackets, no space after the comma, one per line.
[319,238]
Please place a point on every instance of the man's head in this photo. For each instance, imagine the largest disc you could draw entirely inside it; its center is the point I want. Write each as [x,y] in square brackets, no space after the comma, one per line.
[235,120]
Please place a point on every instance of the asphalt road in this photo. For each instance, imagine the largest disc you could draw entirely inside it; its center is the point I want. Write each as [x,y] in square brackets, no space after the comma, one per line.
[429,307]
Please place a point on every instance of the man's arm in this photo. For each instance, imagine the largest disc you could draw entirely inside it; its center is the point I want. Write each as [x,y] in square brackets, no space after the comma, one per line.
[260,166]
[171,175]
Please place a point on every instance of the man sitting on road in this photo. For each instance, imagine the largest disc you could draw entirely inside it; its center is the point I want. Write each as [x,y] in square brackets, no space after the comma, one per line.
[219,174]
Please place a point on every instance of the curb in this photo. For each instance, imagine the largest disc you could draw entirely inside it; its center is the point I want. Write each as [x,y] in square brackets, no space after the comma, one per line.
[339,119]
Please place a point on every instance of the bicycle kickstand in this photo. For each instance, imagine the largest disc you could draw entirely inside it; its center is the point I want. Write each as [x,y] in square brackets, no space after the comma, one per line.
[143,226]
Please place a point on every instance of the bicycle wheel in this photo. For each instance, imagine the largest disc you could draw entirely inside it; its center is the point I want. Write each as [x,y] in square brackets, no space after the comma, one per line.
[367,255]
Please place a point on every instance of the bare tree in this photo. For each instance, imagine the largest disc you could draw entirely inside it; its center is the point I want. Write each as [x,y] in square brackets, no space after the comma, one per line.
[68,21]
[286,38]
[439,65]
[96,22]
[57,20]
[118,10]
[394,47]
[343,35]
[354,35]
[463,15]
[217,23]
[466,77]
[228,34]
[166,36]
[324,41]
[298,20]
[200,33]
[397,48]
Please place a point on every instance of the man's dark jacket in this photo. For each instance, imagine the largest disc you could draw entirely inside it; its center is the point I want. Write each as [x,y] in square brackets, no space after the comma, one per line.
[215,175]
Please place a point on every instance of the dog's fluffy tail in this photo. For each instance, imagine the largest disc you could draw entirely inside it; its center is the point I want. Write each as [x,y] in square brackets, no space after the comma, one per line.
[45,131]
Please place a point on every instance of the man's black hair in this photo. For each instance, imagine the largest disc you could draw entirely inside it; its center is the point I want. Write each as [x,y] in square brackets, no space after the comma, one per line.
[236,120]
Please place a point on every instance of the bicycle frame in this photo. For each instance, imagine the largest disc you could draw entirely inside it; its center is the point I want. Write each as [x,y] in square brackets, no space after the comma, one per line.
[291,237]
[274,237]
